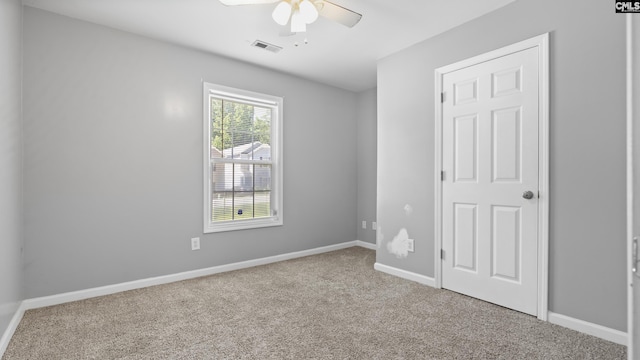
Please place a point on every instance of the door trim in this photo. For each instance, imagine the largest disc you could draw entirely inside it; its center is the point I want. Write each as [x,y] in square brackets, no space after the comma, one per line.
[542,43]
[633,50]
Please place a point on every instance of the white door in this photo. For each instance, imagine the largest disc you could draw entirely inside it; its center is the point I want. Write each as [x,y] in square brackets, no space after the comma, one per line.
[490,187]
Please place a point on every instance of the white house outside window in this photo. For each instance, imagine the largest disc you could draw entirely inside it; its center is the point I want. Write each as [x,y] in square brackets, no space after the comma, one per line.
[243,159]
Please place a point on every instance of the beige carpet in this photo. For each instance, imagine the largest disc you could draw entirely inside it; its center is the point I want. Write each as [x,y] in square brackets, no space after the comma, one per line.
[329,306]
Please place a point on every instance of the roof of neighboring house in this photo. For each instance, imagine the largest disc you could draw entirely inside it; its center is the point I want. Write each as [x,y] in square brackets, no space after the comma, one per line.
[245,149]
[215,153]
[266,148]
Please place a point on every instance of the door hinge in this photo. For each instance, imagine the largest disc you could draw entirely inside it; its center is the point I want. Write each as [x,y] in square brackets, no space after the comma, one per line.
[442,97]
[441,175]
[442,254]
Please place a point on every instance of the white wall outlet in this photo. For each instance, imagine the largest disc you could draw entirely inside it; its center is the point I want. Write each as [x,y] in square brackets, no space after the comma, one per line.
[410,245]
[195,243]
[364,224]
[374,226]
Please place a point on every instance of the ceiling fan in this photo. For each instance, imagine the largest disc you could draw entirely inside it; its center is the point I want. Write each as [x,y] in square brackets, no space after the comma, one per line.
[303,12]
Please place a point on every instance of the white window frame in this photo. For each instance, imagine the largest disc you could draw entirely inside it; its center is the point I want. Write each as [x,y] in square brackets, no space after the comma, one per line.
[276,104]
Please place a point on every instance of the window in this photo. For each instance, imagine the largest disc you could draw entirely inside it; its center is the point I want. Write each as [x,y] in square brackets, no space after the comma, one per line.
[243,159]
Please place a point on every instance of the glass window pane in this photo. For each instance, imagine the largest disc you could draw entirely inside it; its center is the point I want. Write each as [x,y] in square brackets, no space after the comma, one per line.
[239,121]
[222,177]
[222,194]
[262,177]
[262,124]
[241,131]
[243,205]
[234,197]
[262,133]
[222,206]
[243,177]
[216,128]
[262,205]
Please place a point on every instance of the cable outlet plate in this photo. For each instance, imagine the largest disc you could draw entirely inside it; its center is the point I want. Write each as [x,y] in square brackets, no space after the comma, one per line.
[195,243]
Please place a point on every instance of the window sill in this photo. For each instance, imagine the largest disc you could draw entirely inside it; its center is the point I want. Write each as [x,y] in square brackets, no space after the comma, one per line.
[242,224]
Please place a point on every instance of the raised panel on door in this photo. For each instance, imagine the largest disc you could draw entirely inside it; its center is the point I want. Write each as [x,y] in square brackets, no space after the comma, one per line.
[465,148]
[506,145]
[465,92]
[506,243]
[506,82]
[465,236]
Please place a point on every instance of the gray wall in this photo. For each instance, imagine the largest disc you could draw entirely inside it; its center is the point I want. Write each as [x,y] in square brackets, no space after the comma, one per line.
[367,156]
[10,160]
[587,130]
[113,158]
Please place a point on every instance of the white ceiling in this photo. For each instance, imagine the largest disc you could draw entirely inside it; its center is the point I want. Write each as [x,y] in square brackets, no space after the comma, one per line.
[336,55]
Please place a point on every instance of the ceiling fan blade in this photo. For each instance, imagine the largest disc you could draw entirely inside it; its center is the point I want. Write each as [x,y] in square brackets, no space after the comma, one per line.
[338,13]
[247,2]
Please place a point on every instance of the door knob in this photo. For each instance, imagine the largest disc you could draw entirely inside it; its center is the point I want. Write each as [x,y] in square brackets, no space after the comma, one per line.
[527,195]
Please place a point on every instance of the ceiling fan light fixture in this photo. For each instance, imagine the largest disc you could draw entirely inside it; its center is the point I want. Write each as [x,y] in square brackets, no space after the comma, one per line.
[297,22]
[281,13]
[308,11]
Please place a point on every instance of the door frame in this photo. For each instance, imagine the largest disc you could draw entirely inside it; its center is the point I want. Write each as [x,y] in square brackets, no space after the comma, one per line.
[542,43]
[633,120]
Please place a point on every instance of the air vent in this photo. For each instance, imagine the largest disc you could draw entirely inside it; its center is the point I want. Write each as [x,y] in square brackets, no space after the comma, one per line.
[264,45]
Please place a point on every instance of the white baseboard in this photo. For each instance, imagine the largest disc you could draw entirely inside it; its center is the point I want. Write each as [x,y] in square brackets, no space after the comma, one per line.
[39,302]
[616,336]
[422,279]
[159,280]
[609,334]
[366,245]
[11,329]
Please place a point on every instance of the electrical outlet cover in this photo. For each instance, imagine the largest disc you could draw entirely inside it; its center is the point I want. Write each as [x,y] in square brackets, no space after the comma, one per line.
[410,245]
[195,243]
